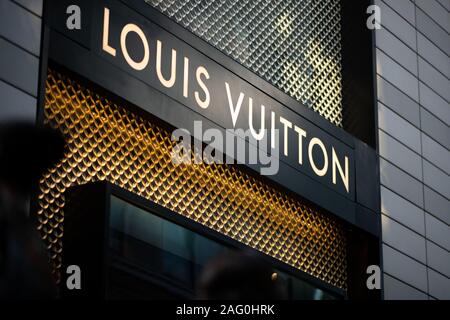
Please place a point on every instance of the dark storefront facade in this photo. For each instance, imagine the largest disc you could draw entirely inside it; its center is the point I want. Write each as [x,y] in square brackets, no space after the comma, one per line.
[140,225]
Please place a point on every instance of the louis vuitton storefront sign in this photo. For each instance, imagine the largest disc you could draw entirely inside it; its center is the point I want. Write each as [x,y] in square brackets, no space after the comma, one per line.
[163,61]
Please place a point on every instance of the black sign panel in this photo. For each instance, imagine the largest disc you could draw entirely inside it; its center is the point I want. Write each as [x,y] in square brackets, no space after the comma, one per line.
[167,63]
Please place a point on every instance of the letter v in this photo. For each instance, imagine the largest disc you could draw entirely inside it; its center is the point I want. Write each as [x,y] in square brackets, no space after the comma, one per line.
[234,110]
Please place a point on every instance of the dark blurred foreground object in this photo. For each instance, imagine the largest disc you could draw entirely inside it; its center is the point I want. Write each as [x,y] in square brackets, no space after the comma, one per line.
[237,275]
[25,153]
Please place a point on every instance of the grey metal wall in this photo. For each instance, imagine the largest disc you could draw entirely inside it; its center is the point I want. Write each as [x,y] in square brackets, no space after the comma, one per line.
[20,37]
[413,78]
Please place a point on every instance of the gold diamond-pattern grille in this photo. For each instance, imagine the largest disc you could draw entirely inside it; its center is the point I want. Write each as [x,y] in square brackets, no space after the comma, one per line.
[107,142]
[293,44]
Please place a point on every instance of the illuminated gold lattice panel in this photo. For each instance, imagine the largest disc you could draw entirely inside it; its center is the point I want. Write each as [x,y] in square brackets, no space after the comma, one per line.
[107,142]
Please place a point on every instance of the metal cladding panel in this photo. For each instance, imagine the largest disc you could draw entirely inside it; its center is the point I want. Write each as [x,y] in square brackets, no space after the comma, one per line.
[108,142]
[295,45]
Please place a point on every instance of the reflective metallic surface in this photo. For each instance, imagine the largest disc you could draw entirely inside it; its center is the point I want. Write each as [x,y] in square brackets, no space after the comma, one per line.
[108,142]
[293,44]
